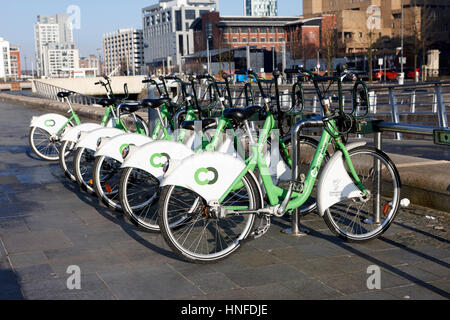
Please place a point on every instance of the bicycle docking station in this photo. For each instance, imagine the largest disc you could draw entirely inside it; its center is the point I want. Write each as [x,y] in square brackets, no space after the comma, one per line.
[315,122]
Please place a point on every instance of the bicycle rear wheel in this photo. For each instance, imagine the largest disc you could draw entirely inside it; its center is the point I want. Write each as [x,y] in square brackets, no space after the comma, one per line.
[43,144]
[355,219]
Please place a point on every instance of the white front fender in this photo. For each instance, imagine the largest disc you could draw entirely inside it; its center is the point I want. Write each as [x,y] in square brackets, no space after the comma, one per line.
[72,133]
[112,147]
[89,139]
[335,184]
[209,174]
[50,122]
[151,157]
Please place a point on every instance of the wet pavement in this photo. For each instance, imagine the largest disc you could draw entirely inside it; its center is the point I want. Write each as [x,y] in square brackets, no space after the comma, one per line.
[47,225]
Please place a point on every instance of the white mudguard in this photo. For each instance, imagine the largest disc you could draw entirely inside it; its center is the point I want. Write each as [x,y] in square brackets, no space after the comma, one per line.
[151,157]
[89,139]
[209,174]
[50,122]
[113,147]
[335,184]
[72,133]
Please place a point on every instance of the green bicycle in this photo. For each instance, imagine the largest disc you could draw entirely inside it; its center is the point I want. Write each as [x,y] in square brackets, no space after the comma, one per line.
[219,198]
[110,118]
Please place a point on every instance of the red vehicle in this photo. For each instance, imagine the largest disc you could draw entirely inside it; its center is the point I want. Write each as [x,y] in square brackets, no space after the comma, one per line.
[390,74]
[410,73]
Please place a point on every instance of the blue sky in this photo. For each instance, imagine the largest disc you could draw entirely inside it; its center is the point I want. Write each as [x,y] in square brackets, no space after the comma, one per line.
[97,17]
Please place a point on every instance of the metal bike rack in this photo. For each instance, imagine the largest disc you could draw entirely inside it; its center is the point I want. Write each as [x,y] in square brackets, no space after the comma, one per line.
[377,127]
[317,122]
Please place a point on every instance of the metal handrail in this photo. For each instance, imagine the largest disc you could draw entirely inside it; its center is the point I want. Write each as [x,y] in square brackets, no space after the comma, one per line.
[50,91]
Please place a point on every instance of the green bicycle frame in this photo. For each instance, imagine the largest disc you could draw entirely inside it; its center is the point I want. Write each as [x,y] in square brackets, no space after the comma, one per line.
[275,194]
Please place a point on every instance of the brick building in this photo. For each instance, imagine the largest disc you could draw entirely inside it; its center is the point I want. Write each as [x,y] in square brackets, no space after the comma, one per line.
[14,57]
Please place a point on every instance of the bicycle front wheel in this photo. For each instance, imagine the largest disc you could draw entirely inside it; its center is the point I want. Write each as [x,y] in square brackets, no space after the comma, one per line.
[139,196]
[66,154]
[199,235]
[356,219]
[83,164]
[106,179]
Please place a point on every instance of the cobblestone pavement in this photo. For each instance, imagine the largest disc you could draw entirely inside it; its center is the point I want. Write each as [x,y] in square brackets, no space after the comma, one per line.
[47,225]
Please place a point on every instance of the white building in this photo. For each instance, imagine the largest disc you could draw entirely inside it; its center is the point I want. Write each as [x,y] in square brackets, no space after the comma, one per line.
[5,61]
[60,60]
[123,51]
[167,33]
[261,8]
[53,33]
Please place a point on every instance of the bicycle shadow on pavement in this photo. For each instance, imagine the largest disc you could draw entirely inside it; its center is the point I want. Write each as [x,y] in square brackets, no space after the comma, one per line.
[352,250]
[118,218]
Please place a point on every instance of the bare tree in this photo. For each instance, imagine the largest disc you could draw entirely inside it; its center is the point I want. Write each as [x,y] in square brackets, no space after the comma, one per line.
[329,41]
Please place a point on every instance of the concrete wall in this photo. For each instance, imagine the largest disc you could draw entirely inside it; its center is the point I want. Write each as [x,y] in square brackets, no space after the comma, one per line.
[87,86]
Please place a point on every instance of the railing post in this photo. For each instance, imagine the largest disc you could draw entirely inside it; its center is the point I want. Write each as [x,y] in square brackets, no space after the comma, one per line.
[413,101]
[377,182]
[373,102]
[394,111]
[442,112]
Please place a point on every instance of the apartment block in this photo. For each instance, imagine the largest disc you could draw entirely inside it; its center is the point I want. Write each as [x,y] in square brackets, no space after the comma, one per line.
[54,46]
[14,56]
[166,30]
[123,51]
[261,8]
[5,60]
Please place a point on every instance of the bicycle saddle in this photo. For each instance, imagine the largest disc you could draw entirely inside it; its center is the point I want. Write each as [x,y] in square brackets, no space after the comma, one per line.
[130,107]
[206,124]
[107,102]
[238,115]
[64,94]
[154,103]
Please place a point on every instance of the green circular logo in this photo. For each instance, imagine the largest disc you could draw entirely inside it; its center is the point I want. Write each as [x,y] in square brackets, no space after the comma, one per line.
[157,160]
[50,123]
[206,176]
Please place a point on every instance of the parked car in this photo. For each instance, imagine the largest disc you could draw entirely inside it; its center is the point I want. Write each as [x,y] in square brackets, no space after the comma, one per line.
[410,73]
[391,74]
[360,74]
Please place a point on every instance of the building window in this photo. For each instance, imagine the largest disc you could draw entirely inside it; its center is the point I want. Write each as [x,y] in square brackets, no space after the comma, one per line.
[190,14]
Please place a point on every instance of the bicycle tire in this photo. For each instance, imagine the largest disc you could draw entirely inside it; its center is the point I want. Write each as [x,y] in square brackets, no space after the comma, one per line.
[361,220]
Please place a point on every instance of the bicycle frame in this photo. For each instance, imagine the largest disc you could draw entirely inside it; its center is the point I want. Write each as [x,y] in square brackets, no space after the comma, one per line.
[274,193]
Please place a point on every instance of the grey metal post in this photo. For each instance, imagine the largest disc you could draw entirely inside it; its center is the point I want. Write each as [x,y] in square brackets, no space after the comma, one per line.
[377,183]
[442,113]
[394,111]
[413,101]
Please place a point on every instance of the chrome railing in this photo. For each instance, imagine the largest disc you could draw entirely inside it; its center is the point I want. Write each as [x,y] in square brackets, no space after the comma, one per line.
[49,91]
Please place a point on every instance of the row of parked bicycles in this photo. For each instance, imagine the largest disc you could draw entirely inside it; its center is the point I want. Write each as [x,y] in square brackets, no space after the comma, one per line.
[210,175]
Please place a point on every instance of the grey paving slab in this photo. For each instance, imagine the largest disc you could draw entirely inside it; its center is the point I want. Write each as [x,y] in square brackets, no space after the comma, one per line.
[35,272]
[11,226]
[274,291]
[414,292]
[312,289]
[152,283]
[36,241]
[256,258]
[233,294]
[368,295]
[28,259]
[92,288]
[212,282]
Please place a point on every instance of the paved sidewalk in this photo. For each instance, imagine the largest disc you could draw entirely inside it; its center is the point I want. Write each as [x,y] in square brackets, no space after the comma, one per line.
[47,225]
